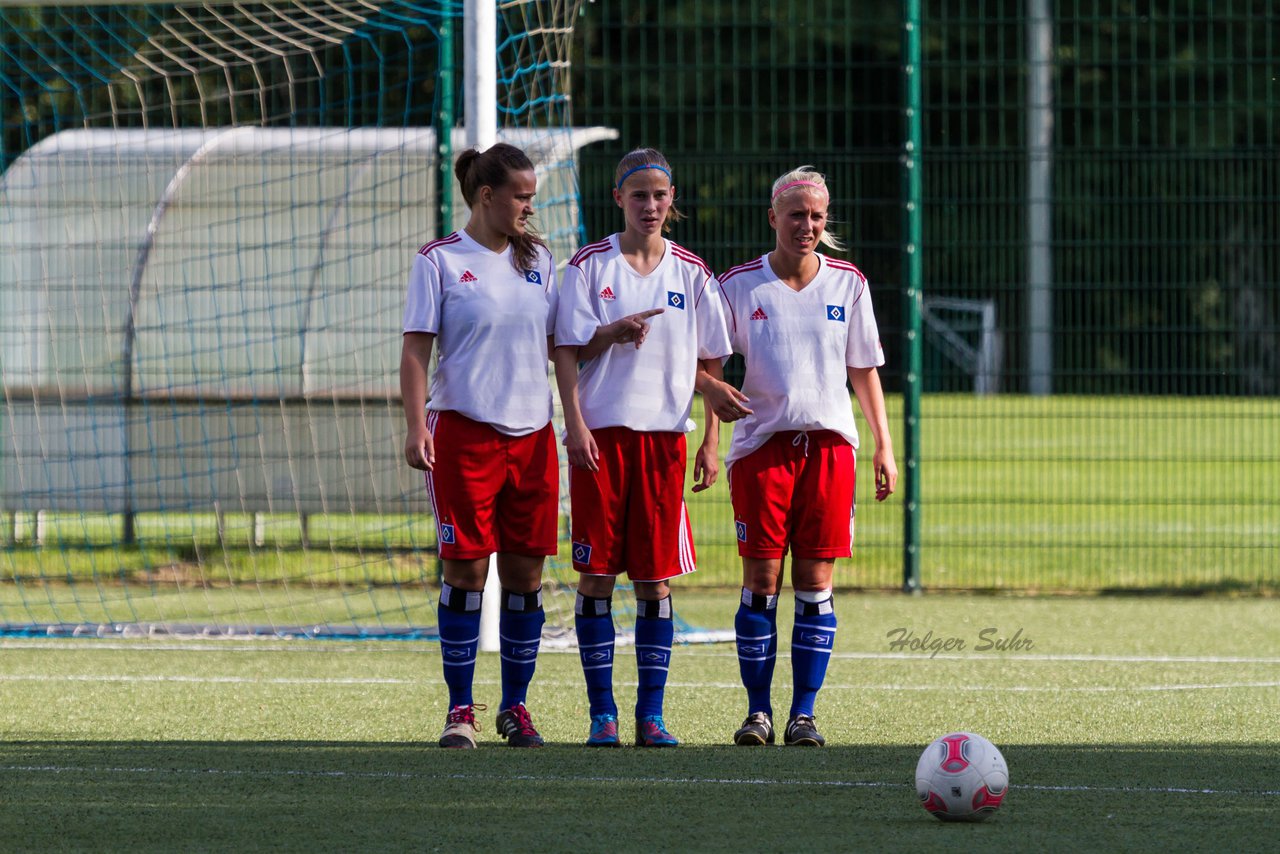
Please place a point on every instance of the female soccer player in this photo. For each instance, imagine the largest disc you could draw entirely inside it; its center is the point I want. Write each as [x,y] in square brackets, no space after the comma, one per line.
[488,294]
[804,324]
[642,315]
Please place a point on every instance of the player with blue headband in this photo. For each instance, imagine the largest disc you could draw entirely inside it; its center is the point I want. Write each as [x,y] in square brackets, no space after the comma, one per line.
[639,327]
[634,169]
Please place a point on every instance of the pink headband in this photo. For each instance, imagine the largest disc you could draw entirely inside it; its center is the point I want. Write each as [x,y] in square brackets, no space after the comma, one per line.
[786,187]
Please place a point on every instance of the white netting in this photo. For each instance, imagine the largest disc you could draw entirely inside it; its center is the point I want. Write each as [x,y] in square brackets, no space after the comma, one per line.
[206,217]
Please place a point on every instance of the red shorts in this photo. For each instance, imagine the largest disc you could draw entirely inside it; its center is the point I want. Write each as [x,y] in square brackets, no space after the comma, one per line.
[630,516]
[795,491]
[492,492]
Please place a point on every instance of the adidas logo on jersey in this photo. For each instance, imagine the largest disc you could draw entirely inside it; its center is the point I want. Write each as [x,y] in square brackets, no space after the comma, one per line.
[759,314]
[467,277]
[607,293]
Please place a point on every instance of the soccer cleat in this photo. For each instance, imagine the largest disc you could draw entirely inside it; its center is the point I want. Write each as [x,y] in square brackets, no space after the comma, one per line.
[460,727]
[651,731]
[604,731]
[756,730]
[802,732]
[516,726]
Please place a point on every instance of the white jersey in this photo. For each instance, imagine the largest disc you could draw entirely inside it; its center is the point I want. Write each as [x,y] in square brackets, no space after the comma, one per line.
[491,324]
[797,345]
[649,388]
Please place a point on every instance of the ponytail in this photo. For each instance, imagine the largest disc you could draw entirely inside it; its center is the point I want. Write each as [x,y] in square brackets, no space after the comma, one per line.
[492,168]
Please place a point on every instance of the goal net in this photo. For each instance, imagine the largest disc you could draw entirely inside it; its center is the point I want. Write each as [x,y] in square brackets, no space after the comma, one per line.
[206,215]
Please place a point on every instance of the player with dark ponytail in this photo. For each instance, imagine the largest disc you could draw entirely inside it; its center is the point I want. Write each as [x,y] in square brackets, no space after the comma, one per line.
[487,295]
[476,170]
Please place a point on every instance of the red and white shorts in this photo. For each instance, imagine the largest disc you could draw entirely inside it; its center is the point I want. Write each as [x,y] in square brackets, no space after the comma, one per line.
[795,491]
[492,492]
[630,516]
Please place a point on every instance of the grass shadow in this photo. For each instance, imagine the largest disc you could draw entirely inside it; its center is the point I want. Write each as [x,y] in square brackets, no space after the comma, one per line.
[413,796]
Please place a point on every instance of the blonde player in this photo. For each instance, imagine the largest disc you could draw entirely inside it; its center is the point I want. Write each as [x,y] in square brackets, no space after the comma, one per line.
[804,324]
[642,315]
[487,295]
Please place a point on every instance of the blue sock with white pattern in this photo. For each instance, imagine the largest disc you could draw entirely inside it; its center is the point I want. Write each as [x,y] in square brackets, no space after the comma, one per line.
[812,640]
[519,635]
[458,617]
[655,633]
[593,621]
[756,627]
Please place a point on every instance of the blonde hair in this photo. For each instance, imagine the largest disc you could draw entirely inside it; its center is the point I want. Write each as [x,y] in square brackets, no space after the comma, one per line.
[641,159]
[805,178]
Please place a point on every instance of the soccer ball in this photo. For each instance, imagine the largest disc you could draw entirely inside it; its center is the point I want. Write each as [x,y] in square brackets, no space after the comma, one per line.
[961,777]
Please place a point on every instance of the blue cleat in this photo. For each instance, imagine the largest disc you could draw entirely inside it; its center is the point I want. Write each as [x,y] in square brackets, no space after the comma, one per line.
[604,731]
[651,731]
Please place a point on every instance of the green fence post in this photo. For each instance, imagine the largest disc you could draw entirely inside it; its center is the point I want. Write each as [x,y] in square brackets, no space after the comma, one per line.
[912,274]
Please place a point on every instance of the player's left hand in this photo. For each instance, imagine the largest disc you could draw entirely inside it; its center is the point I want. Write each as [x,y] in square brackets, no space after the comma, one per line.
[886,473]
[580,447]
[727,402]
[706,468]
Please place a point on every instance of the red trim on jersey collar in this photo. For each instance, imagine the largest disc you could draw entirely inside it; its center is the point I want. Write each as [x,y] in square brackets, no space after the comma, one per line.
[443,241]
[590,249]
[741,268]
[685,255]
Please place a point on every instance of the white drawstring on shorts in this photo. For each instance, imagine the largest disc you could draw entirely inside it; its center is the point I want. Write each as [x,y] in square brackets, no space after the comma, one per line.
[796,441]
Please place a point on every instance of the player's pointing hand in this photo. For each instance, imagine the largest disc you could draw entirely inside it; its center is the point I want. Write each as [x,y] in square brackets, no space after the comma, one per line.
[632,328]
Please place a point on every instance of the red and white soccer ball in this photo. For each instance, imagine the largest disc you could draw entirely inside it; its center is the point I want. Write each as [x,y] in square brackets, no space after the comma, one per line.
[961,777]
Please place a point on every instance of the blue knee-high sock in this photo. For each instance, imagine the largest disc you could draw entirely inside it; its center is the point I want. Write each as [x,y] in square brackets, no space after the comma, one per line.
[654,634]
[756,627]
[812,640]
[458,616]
[593,621]
[519,634]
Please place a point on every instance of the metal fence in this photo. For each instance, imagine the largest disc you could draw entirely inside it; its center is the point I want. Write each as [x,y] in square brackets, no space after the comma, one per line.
[1101,256]
[1099,335]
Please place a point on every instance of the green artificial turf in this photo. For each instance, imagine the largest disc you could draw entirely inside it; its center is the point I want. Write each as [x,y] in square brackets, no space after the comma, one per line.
[1128,723]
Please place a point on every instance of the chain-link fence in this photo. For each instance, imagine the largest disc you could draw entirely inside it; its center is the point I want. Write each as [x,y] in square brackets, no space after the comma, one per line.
[1101,316]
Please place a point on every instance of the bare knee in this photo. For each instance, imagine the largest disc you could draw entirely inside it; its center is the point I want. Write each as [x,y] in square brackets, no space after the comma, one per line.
[652,591]
[596,586]
[762,576]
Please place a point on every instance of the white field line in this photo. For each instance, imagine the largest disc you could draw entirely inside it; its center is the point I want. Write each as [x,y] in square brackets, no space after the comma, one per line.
[574,779]
[426,680]
[710,651]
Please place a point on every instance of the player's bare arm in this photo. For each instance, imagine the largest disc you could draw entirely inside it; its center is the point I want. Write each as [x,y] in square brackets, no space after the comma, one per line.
[415,356]
[631,329]
[706,461]
[870,394]
[579,444]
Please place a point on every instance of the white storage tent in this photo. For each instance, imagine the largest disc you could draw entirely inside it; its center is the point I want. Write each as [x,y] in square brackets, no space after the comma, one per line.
[207,317]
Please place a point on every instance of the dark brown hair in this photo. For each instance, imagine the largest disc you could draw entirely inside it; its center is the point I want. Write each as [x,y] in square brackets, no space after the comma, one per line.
[492,168]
